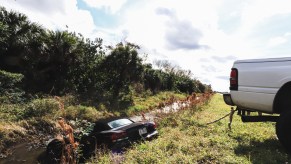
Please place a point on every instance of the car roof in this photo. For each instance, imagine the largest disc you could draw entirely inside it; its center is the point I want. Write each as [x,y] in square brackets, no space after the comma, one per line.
[106,120]
[102,124]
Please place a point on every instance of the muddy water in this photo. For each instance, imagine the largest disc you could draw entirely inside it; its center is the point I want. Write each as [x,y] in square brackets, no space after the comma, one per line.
[150,116]
[23,154]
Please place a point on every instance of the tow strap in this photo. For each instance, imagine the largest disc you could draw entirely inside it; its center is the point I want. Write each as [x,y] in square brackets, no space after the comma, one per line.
[230,118]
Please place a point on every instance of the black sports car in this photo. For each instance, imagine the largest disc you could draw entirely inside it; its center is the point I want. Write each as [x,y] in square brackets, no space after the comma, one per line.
[117,133]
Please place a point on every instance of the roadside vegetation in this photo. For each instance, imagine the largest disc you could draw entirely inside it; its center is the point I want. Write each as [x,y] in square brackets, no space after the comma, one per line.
[144,103]
[185,138]
[35,120]
[45,74]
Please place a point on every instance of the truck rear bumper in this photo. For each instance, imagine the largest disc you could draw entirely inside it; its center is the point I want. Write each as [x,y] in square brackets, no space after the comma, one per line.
[227,99]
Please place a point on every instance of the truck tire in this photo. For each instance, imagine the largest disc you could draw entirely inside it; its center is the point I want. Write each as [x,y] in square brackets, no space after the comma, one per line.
[283,130]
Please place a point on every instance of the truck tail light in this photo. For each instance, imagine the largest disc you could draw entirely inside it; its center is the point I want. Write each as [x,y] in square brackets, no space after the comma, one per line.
[233,79]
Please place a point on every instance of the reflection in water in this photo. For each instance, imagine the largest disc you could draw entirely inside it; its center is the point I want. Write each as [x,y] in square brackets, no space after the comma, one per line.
[23,154]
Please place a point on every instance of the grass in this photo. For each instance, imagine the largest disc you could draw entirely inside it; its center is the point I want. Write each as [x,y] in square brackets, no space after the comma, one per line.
[185,138]
[23,121]
[145,103]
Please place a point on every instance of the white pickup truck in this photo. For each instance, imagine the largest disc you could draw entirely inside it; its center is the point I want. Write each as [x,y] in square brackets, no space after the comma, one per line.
[263,86]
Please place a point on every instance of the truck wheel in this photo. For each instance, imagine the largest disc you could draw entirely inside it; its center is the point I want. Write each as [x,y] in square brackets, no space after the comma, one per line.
[283,130]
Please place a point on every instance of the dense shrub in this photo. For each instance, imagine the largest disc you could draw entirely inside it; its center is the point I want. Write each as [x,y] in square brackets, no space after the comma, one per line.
[10,87]
[11,112]
[41,107]
[83,112]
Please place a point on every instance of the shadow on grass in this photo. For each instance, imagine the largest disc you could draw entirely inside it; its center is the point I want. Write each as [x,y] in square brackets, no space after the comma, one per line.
[268,151]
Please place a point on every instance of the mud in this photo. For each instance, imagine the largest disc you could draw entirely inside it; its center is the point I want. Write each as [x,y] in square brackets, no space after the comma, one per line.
[24,153]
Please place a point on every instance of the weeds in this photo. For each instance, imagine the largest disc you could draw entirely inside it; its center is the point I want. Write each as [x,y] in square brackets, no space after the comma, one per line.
[41,107]
[185,138]
[146,103]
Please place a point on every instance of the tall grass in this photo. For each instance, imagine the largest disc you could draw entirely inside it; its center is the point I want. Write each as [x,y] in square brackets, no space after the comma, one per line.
[185,138]
[149,102]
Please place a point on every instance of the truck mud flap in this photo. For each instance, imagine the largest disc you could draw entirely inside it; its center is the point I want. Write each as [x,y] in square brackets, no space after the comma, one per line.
[259,118]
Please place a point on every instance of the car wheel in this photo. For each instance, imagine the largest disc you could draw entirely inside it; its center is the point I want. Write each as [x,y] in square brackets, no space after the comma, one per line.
[55,150]
[283,130]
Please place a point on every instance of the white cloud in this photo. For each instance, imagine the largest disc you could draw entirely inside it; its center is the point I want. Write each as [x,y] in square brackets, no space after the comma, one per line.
[256,11]
[277,41]
[150,24]
[42,6]
[149,29]
[110,6]
[55,14]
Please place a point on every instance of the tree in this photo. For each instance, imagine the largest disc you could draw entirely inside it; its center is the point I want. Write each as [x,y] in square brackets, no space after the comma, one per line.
[61,62]
[19,38]
[54,62]
[121,67]
[70,63]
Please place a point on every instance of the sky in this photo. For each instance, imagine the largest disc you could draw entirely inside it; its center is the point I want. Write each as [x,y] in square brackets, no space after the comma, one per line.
[204,36]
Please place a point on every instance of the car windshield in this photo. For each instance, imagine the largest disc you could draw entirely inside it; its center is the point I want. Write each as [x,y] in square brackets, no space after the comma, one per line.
[120,122]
